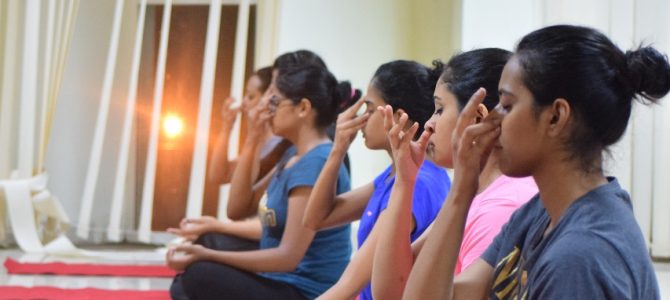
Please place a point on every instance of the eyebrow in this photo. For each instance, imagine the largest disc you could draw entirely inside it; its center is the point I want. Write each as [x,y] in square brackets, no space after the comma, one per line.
[504,92]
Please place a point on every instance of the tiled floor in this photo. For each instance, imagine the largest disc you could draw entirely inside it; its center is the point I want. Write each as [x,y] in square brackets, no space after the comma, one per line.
[662,271]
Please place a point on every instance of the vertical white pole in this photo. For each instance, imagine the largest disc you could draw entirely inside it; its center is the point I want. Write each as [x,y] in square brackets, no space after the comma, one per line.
[29,88]
[46,83]
[114,229]
[641,183]
[660,246]
[150,169]
[197,185]
[98,137]
[8,96]
[239,66]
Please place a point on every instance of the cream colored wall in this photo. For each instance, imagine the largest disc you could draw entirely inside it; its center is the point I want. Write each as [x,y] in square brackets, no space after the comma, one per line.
[355,37]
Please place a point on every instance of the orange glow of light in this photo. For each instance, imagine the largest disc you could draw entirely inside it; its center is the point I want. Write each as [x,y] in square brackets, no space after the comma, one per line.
[173,125]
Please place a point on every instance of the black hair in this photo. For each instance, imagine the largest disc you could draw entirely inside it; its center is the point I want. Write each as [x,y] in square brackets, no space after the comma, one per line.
[327,96]
[408,85]
[597,79]
[297,58]
[265,75]
[466,72]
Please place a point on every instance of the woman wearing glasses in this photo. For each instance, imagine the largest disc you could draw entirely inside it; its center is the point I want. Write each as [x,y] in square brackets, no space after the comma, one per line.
[293,262]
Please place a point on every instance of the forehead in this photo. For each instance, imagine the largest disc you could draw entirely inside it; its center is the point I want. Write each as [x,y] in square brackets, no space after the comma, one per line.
[512,77]
[373,95]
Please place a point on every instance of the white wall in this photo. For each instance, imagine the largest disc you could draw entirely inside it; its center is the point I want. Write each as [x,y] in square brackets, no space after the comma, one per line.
[640,159]
[354,38]
[498,23]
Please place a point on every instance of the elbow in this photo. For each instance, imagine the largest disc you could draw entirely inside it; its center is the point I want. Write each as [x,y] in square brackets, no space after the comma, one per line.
[311,223]
[236,214]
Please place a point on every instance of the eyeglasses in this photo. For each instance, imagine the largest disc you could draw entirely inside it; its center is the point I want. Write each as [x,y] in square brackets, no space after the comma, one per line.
[273,103]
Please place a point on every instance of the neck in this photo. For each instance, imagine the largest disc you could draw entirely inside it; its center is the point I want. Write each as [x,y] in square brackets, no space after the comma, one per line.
[490,173]
[561,183]
[307,138]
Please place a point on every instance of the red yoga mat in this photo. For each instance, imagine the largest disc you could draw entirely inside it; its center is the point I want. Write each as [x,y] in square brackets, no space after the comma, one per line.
[57,268]
[53,293]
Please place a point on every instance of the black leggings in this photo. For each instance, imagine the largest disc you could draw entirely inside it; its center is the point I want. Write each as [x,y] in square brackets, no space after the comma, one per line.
[210,280]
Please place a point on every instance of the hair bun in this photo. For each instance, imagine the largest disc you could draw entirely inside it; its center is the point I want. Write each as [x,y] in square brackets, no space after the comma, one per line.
[649,72]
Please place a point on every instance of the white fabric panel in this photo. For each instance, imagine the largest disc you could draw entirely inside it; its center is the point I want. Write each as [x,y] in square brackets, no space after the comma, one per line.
[114,228]
[239,66]
[196,191]
[150,169]
[29,88]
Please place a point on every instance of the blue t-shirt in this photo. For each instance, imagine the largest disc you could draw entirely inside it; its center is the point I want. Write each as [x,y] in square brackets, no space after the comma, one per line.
[328,254]
[596,251]
[432,185]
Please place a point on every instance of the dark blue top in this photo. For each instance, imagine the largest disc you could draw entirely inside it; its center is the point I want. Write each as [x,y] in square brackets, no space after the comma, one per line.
[432,185]
[596,251]
[328,254]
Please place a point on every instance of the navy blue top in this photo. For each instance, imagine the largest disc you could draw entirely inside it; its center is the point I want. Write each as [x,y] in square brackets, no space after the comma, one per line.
[329,253]
[595,251]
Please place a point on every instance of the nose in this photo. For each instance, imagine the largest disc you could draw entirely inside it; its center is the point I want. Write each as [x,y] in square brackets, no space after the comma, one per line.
[430,126]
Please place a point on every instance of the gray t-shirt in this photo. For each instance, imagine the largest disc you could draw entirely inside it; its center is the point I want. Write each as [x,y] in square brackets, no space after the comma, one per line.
[596,251]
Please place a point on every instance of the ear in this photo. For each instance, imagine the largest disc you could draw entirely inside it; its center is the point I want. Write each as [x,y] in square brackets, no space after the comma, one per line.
[482,112]
[557,117]
[304,107]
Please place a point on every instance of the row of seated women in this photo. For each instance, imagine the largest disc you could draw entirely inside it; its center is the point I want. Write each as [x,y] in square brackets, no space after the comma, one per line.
[528,214]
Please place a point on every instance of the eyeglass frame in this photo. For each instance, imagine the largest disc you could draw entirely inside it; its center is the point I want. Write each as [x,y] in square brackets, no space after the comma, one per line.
[273,103]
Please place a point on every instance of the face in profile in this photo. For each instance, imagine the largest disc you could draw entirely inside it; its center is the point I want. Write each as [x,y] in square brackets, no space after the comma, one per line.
[522,139]
[442,124]
[373,132]
[252,93]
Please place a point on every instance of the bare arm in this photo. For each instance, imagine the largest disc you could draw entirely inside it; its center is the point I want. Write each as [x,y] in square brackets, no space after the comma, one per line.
[245,191]
[393,257]
[192,228]
[221,167]
[250,229]
[325,208]
[358,271]
[284,258]
[432,276]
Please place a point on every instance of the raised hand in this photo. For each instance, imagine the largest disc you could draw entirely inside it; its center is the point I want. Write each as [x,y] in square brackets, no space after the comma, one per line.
[229,112]
[259,117]
[408,155]
[348,124]
[192,228]
[472,142]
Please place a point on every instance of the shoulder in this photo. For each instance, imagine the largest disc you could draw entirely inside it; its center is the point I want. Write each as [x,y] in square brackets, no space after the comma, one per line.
[432,176]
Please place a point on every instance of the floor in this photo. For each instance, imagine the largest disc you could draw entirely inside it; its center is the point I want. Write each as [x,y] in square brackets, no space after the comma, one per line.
[662,271]
[102,282]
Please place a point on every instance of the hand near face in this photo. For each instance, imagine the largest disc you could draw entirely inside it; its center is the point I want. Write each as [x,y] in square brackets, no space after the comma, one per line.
[259,120]
[229,112]
[472,142]
[408,155]
[192,228]
[348,124]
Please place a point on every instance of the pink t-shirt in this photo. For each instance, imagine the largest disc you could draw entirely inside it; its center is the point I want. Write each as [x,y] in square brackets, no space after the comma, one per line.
[490,210]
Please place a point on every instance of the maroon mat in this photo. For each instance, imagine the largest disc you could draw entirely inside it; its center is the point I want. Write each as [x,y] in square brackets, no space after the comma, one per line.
[57,268]
[53,293]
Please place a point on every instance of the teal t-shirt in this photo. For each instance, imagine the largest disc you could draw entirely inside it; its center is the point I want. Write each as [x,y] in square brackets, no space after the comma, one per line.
[328,254]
